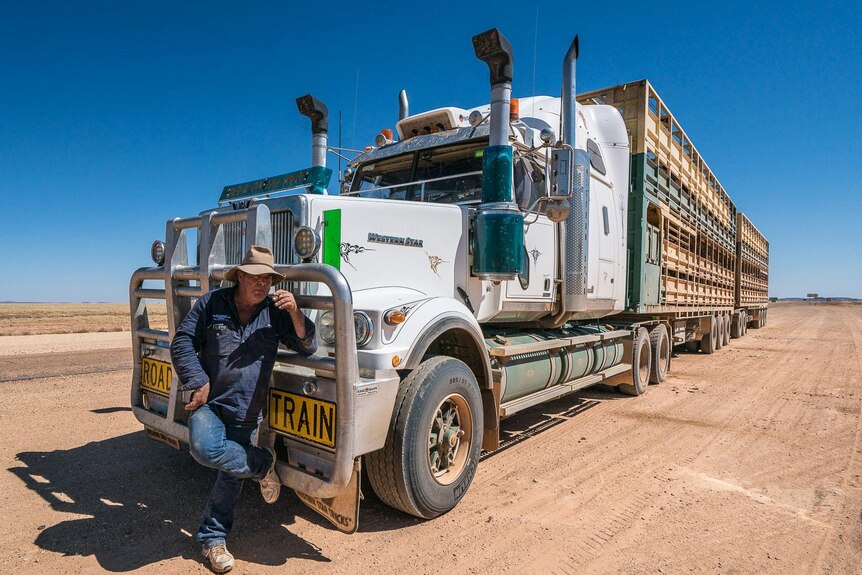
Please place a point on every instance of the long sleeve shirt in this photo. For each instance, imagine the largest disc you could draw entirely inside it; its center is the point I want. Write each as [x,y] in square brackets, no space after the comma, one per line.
[212,346]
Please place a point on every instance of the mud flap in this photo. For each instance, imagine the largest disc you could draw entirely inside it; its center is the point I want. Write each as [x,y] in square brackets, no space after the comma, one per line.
[343,509]
[157,435]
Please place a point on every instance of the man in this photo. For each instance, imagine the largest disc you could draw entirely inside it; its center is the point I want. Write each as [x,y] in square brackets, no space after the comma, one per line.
[224,352]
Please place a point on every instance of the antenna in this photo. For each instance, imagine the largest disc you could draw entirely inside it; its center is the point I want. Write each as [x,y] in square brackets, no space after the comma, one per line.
[535,44]
[340,177]
[355,111]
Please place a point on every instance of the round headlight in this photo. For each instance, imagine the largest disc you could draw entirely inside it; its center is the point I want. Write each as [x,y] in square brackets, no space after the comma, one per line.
[157,252]
[306,242]
[326,327]
[364,328]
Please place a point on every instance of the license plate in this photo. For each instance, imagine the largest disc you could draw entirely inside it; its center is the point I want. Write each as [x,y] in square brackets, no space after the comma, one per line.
[156,375]
[303,417]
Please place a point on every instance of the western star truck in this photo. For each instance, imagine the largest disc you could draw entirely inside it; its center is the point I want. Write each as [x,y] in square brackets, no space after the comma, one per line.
[480,262]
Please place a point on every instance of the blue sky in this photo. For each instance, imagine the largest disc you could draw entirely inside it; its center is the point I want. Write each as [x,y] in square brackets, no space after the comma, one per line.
[116,116]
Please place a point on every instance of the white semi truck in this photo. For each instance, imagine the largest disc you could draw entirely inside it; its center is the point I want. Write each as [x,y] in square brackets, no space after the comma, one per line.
[482,262]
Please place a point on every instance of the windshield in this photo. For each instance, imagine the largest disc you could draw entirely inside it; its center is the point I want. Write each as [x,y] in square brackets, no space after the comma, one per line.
[444,175]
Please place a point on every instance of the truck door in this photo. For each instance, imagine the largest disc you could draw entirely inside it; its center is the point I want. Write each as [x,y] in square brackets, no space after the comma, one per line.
[608,239]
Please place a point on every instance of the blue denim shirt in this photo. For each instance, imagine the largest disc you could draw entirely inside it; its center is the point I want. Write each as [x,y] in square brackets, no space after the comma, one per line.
[212,346]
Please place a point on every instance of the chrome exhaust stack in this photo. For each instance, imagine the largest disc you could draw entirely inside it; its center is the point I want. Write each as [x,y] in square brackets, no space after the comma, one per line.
[403,105]
[316,111]
[498,238]
[572,168]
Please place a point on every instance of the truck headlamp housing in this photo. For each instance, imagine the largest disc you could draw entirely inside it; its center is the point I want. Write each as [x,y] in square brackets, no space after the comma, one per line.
[364,328]
[157,252]
[326,327]
[362,324]
[306,242]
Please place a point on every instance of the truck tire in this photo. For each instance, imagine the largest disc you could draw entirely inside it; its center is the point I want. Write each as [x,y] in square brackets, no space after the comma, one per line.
[726,319]
[757,323]
[434,440]
[736,326]
[641,364]
[692,346]
[707,342]
[719,328]
[744,323]
[661,352]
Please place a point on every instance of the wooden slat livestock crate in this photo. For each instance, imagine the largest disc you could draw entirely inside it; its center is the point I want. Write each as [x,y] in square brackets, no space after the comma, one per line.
[682,223]
[752,269]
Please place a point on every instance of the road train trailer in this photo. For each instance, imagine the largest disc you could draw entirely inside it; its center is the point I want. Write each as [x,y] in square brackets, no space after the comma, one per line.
[476,265]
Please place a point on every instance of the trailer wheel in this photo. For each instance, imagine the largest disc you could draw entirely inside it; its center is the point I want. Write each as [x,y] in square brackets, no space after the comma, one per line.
[719,327]
[707,342]
[660,345]
[641,364]
[757,323]
[726,319]
[744,322]
[692,346]
[736,326]
[434,440]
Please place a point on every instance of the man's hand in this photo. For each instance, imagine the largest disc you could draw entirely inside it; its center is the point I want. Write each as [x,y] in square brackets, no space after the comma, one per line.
[285,301]
[199,397]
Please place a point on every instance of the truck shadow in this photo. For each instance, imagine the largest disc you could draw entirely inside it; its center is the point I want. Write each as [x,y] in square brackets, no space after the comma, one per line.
[138,502]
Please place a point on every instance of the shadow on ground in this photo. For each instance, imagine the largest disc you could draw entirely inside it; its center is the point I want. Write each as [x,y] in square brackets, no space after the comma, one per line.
[143,503]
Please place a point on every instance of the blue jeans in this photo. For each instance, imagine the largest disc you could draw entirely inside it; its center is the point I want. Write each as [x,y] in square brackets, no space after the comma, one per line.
[229,449]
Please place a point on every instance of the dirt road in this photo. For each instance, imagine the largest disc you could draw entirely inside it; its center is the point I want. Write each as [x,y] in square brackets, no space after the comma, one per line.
[745,461]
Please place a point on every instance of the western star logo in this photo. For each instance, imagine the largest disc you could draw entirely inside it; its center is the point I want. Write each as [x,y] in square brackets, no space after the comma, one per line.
[395,240]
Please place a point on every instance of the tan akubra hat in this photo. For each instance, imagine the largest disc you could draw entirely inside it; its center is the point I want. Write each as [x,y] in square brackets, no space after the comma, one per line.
[258,261]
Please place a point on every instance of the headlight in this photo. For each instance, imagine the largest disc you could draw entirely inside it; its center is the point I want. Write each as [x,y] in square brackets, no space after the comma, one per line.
[326,327]
[362,325]
[364,328]
[306,242]
[157,252]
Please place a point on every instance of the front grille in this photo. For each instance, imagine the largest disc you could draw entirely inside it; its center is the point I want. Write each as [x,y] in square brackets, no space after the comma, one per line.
[282,242]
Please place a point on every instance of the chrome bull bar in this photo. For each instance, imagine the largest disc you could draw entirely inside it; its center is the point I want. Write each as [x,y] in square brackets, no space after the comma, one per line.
[177,275]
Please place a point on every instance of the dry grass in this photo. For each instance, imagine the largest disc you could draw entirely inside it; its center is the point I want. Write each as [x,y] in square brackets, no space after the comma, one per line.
[45,318]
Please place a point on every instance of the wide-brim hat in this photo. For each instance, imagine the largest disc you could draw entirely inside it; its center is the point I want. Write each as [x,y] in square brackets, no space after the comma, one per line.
[258,261]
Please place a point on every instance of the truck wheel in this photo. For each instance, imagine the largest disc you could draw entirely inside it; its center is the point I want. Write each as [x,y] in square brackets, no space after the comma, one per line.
[692,346]
[660,345]
[736,326]
[726,330]
[641,361]
[434,440]
[744,323]
[707,342]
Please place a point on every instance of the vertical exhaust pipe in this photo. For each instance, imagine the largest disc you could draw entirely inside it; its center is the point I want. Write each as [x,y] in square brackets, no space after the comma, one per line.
[316,111]
[574,182]
[568,112]
[498,238]
[403,105]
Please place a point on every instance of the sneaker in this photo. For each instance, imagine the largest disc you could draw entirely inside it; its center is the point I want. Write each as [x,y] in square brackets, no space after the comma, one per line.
[219,557]
[270,485]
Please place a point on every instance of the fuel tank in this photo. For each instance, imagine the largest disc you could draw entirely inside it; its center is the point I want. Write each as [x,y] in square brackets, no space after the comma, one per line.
[534,371]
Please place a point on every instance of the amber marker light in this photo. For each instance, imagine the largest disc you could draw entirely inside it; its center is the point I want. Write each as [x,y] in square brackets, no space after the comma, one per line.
[514,109]
[396,361]
[394,317]
[387,133]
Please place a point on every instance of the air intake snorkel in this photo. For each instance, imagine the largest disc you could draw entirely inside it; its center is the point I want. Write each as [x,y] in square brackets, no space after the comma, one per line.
[498,240]
[316,111]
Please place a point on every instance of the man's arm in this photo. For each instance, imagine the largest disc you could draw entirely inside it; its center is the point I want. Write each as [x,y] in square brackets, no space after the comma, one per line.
[186,344]
[295,330]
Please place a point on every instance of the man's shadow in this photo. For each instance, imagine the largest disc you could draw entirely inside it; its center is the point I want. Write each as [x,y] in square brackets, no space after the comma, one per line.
[142,503]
